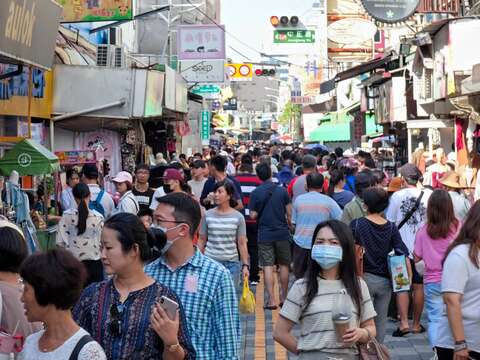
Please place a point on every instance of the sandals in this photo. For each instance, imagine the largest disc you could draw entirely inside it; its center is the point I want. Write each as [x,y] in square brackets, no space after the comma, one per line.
[270,307]
[421,330]
[400,333]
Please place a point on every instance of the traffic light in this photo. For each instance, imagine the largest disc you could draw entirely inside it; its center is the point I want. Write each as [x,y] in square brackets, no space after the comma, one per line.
[284,21]
[265,72]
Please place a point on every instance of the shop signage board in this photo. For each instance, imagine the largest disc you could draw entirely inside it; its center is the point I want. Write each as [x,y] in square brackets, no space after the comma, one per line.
[205,127]
[96,10]
[201,42]
[390,11]
[204,71]
[351,31]
[293,36]
[28,31]
[76,157]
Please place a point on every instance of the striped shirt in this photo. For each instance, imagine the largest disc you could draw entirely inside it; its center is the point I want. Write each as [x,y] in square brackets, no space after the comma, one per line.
[317,331]
[222,231]
[206,291]
[248,183]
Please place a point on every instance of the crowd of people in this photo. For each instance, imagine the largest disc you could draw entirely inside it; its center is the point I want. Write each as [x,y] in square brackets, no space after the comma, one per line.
[156,273]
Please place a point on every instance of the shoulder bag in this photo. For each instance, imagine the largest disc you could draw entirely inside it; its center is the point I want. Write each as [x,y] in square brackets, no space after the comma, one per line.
[373,350]
[411,212]
[84,340]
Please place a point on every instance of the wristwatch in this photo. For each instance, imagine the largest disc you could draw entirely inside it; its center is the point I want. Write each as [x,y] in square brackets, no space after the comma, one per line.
[173,348]
[246,265]
[460,345]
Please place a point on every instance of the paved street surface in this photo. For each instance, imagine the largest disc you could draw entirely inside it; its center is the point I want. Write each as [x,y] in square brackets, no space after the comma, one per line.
[258,344]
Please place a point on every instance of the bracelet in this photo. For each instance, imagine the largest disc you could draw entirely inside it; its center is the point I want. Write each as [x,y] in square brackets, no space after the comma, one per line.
[173,347]
[248,266]
[460,347]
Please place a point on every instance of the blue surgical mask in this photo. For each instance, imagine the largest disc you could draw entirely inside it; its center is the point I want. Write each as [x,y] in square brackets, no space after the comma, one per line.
[327,256]
[168,244]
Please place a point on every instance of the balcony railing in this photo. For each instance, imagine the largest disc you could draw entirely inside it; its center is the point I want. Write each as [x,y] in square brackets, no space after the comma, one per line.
[439,6]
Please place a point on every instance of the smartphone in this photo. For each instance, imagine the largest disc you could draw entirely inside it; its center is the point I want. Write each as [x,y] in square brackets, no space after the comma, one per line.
[169,306]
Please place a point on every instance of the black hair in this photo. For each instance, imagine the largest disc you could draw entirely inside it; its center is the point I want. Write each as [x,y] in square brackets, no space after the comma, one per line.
[81,192]
[348,271]
[364,180]
[264,171]
[130,231]
[246,159]
[315,181]
[197,154]
[40,190]
[198,164]
[70,173]
[379,175]
[335,177]
[369,162]
[338,152]
[145,212]
[219,163]
[375,199]
[56,276]
[142,167]
[228,186]
[185,209]
[183,156]
[13,250]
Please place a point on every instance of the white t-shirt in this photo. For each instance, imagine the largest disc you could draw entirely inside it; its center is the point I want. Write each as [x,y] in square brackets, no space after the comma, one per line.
[197,187]
[90,351]
[128,204]
[158,194]
[461,276]
[400,204]
[106,201]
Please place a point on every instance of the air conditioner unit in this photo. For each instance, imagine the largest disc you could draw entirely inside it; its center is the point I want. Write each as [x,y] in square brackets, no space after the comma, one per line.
[118,58]
[110,56]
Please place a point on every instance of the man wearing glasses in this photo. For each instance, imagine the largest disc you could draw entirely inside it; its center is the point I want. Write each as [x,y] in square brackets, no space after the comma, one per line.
[204,286]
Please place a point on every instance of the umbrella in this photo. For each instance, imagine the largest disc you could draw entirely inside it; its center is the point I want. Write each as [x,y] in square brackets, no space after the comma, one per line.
[316,146]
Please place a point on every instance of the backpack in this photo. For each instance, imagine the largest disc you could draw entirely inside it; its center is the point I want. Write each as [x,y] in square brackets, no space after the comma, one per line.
[97,204]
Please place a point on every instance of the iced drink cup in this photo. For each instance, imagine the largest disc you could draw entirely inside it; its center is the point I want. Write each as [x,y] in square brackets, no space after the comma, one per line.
[342,324]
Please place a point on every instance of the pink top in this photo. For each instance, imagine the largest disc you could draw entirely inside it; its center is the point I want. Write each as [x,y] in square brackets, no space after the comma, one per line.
[432,251]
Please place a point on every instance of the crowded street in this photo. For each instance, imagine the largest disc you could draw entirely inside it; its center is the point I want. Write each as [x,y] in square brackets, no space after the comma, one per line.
[239,180]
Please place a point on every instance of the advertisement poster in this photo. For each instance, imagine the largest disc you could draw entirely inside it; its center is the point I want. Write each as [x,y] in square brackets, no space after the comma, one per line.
[75,157]
[198,42]
[96,10]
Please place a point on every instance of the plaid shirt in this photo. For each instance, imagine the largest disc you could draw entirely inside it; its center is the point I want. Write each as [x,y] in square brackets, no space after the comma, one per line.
[206,291]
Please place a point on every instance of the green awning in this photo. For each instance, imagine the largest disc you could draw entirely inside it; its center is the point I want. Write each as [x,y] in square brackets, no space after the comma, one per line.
[29,158]
[331,132]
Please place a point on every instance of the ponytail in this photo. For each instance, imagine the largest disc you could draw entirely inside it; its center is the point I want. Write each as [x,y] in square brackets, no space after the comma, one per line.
[81,192]
[335,177]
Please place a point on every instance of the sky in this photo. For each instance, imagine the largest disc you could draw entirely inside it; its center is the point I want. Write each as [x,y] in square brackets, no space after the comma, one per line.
[249,21]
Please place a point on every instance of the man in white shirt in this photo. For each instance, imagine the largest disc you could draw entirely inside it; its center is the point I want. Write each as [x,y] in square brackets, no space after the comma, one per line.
[198,178]
[66,198]
[100,200]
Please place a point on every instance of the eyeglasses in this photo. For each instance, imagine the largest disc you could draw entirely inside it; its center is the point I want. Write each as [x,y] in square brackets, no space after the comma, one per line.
[115,325]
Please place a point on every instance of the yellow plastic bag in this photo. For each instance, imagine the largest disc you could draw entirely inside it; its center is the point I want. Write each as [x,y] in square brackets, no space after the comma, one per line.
[247,301]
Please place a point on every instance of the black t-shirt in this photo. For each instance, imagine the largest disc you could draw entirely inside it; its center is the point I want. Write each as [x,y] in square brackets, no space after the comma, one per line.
[144,198]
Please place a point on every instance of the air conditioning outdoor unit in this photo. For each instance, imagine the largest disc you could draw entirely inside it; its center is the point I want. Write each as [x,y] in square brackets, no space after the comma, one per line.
[110,56]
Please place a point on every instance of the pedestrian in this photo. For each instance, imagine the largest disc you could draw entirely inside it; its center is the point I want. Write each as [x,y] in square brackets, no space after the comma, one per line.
[53,281]
[378,238]
[408,209]
[146,217]
[128,202]
[309,210]
[100,200]
[117,312]
[270,205]
[459,328]
[13,251]
[336,189]
[356,208]
[349,166]
[431,244]
[223,231]
[434,172]
[160,160]
[298,184]
[67,201]
[204,286]
[451,182]
[198,178]
[141,189]
[311,300]
[218,173]
[248,182]
[80,230]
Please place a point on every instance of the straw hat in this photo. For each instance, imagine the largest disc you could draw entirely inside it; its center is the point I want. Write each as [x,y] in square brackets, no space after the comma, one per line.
[451,179]
[395,184]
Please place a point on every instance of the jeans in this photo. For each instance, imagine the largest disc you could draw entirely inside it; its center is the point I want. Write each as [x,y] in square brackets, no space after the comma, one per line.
[380,289]
[235,270]
[434,309]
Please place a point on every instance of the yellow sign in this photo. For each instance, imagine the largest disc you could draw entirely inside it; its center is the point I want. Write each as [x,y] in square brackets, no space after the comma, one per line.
[240,72]
[96,10]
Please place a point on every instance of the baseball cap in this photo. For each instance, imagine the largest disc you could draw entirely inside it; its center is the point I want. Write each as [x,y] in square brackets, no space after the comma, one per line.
[123,176]
[90,171]
[172,174]
[410,171]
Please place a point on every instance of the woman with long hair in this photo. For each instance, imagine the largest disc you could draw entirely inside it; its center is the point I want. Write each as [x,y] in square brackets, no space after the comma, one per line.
[431,244]
[223,231]
[459,328]
[336,188]
[80,230]
[311,300]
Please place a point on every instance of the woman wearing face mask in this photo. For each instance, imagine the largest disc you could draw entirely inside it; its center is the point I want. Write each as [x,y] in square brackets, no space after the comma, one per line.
[123,313]
[223,230]
[311,300]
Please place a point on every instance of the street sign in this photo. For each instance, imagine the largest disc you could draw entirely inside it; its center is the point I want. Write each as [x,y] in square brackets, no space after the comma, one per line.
[203,71]
[206,89]
[205,127]
[293,36]
[240,72]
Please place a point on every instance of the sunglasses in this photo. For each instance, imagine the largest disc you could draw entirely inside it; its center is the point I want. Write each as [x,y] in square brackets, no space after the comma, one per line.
[115,325]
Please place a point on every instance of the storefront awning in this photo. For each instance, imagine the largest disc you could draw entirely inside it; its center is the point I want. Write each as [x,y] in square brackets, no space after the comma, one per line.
[331,132]
[29,158]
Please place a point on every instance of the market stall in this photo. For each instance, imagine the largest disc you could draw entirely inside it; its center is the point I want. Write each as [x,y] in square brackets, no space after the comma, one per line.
[29,158]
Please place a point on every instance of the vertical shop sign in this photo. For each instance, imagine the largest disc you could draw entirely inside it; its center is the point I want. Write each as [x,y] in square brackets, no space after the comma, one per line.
[205,127]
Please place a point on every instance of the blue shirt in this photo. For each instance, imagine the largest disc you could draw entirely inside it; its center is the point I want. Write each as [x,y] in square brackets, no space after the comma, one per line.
[309,210]
[272,221]
[206,291]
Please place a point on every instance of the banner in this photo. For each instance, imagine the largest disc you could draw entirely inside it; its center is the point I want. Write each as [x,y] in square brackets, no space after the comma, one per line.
[200,42]
[96,10]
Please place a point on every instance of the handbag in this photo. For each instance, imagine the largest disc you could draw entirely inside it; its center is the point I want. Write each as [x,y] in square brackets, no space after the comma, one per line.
[247,301]
[373,350]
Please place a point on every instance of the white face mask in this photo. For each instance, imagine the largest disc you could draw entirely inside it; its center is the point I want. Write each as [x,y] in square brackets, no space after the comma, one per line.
[168,243]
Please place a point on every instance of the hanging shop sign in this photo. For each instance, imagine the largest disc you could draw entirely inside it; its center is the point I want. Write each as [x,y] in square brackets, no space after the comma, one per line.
[240,72]
[205,127]
[351,31]
[201,42]
[154,93]
[390,11]
[75,157]
[293,36]
[203,71]
[28,30]
[96,10]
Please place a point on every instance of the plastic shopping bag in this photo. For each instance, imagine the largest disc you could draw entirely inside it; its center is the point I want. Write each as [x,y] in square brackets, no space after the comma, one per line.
[247,301]
[399,273]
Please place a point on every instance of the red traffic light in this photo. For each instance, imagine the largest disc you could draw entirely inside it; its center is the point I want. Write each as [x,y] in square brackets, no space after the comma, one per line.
[265,72]
[274,20]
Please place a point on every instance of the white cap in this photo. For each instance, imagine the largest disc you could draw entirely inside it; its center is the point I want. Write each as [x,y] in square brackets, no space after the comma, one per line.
[123,176]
